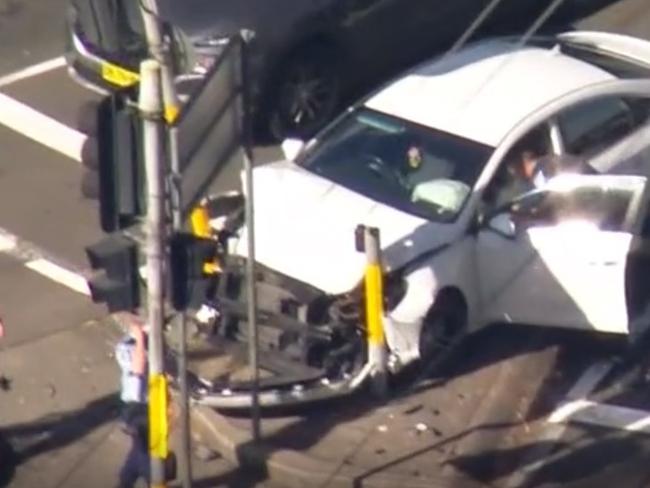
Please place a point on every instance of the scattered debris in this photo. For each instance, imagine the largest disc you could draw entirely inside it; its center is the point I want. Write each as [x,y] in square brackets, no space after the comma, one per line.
[421,427]
[51,390]
[414,409]
[380,451]
[382,428]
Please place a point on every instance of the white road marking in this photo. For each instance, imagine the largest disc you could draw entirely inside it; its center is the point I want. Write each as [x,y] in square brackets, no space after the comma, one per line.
[6,243]
[41,128]
[31,71]
[36,259]
[555,429]
[61,275]
[593,375]
[612,416]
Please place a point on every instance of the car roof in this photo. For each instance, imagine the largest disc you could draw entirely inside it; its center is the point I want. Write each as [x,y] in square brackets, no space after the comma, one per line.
[484,90]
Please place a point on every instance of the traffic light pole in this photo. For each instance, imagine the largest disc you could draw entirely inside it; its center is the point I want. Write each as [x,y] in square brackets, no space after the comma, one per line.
[151,111]
[160,51]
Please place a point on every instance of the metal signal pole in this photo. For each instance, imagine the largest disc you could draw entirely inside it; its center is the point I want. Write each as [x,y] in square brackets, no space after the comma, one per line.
[160,50]
[150,104]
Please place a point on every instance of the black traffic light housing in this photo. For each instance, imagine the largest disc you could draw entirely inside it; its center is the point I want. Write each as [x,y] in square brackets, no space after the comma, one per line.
[118,285]
[189,280]
[112,156]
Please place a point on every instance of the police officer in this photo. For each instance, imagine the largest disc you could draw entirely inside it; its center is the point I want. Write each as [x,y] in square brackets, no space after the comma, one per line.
[131,355]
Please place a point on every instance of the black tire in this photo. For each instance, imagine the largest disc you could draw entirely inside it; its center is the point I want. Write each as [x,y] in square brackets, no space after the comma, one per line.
[443,326]
[304,94]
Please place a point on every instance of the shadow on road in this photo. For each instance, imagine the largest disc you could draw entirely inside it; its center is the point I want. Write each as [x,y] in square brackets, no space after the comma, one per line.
[7,461]
[498,344]
[57,431]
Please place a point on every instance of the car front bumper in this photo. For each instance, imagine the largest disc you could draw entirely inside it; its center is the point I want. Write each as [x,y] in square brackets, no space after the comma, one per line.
[296,394]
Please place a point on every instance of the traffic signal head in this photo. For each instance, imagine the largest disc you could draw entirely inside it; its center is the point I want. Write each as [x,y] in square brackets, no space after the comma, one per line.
[118,285]
[112,158]
[191,267]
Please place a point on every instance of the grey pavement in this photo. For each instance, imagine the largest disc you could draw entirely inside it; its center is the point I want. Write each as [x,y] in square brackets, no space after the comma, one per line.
[474,423]
[31,31]
[58,421]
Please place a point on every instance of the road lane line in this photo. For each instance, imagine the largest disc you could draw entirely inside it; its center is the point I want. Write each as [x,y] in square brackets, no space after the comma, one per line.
[7,243]
[61,275]
[31,71]
[41,128]
[590,379]
[38,260]
[541,456]
[612,416]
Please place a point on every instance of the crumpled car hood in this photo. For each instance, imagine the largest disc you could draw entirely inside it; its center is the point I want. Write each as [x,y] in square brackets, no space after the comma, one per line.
[304,228]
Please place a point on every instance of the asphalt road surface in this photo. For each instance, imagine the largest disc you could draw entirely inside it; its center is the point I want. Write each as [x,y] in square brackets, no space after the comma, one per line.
[45,223]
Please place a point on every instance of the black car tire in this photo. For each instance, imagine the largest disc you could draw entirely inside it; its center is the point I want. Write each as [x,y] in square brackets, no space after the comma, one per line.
[304,94]
[443,327]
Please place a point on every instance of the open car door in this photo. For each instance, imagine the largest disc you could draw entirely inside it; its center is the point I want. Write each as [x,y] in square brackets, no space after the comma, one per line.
[558,256]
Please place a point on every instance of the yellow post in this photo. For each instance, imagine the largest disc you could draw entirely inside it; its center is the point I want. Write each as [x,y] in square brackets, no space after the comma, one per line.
[200,221]
[374,312]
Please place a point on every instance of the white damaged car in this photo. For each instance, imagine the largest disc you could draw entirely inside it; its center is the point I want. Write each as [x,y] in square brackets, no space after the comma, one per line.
[508,183]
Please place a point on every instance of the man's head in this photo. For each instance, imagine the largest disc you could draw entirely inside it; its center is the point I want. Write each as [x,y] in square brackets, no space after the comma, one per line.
[137,329]
[414,157]
[527,163]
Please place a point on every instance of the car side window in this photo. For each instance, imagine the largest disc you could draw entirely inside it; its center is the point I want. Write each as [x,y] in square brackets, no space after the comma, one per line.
[508,182]
[592,126]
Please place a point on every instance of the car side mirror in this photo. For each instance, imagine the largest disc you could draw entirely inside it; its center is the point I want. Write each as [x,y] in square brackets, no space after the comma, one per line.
[291,148]
[503,225]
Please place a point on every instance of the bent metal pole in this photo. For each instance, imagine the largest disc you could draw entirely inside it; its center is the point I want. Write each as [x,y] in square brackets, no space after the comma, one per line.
[151,112]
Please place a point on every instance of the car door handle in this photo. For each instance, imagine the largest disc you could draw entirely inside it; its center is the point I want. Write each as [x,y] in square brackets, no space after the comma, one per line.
[605,262]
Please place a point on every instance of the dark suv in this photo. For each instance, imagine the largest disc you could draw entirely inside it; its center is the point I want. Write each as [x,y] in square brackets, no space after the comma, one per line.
[307,57]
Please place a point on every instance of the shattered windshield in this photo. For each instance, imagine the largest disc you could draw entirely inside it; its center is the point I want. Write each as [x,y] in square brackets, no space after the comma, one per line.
[415,169]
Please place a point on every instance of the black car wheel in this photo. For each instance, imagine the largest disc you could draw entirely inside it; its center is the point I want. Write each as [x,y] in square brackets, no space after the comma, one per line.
[443,326]
[305,94]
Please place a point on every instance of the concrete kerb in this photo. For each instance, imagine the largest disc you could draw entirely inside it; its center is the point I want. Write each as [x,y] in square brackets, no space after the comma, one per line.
[292,469]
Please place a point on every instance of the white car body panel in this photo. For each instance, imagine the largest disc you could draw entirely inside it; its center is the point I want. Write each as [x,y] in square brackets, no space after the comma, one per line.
[300,215]
[568,275]
[484,91]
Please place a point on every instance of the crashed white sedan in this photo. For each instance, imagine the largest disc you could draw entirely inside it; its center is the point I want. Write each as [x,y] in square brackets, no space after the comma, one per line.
[508,183]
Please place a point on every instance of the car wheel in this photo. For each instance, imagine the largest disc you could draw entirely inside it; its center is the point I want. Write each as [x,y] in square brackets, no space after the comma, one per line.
[305,94]
[442,328]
